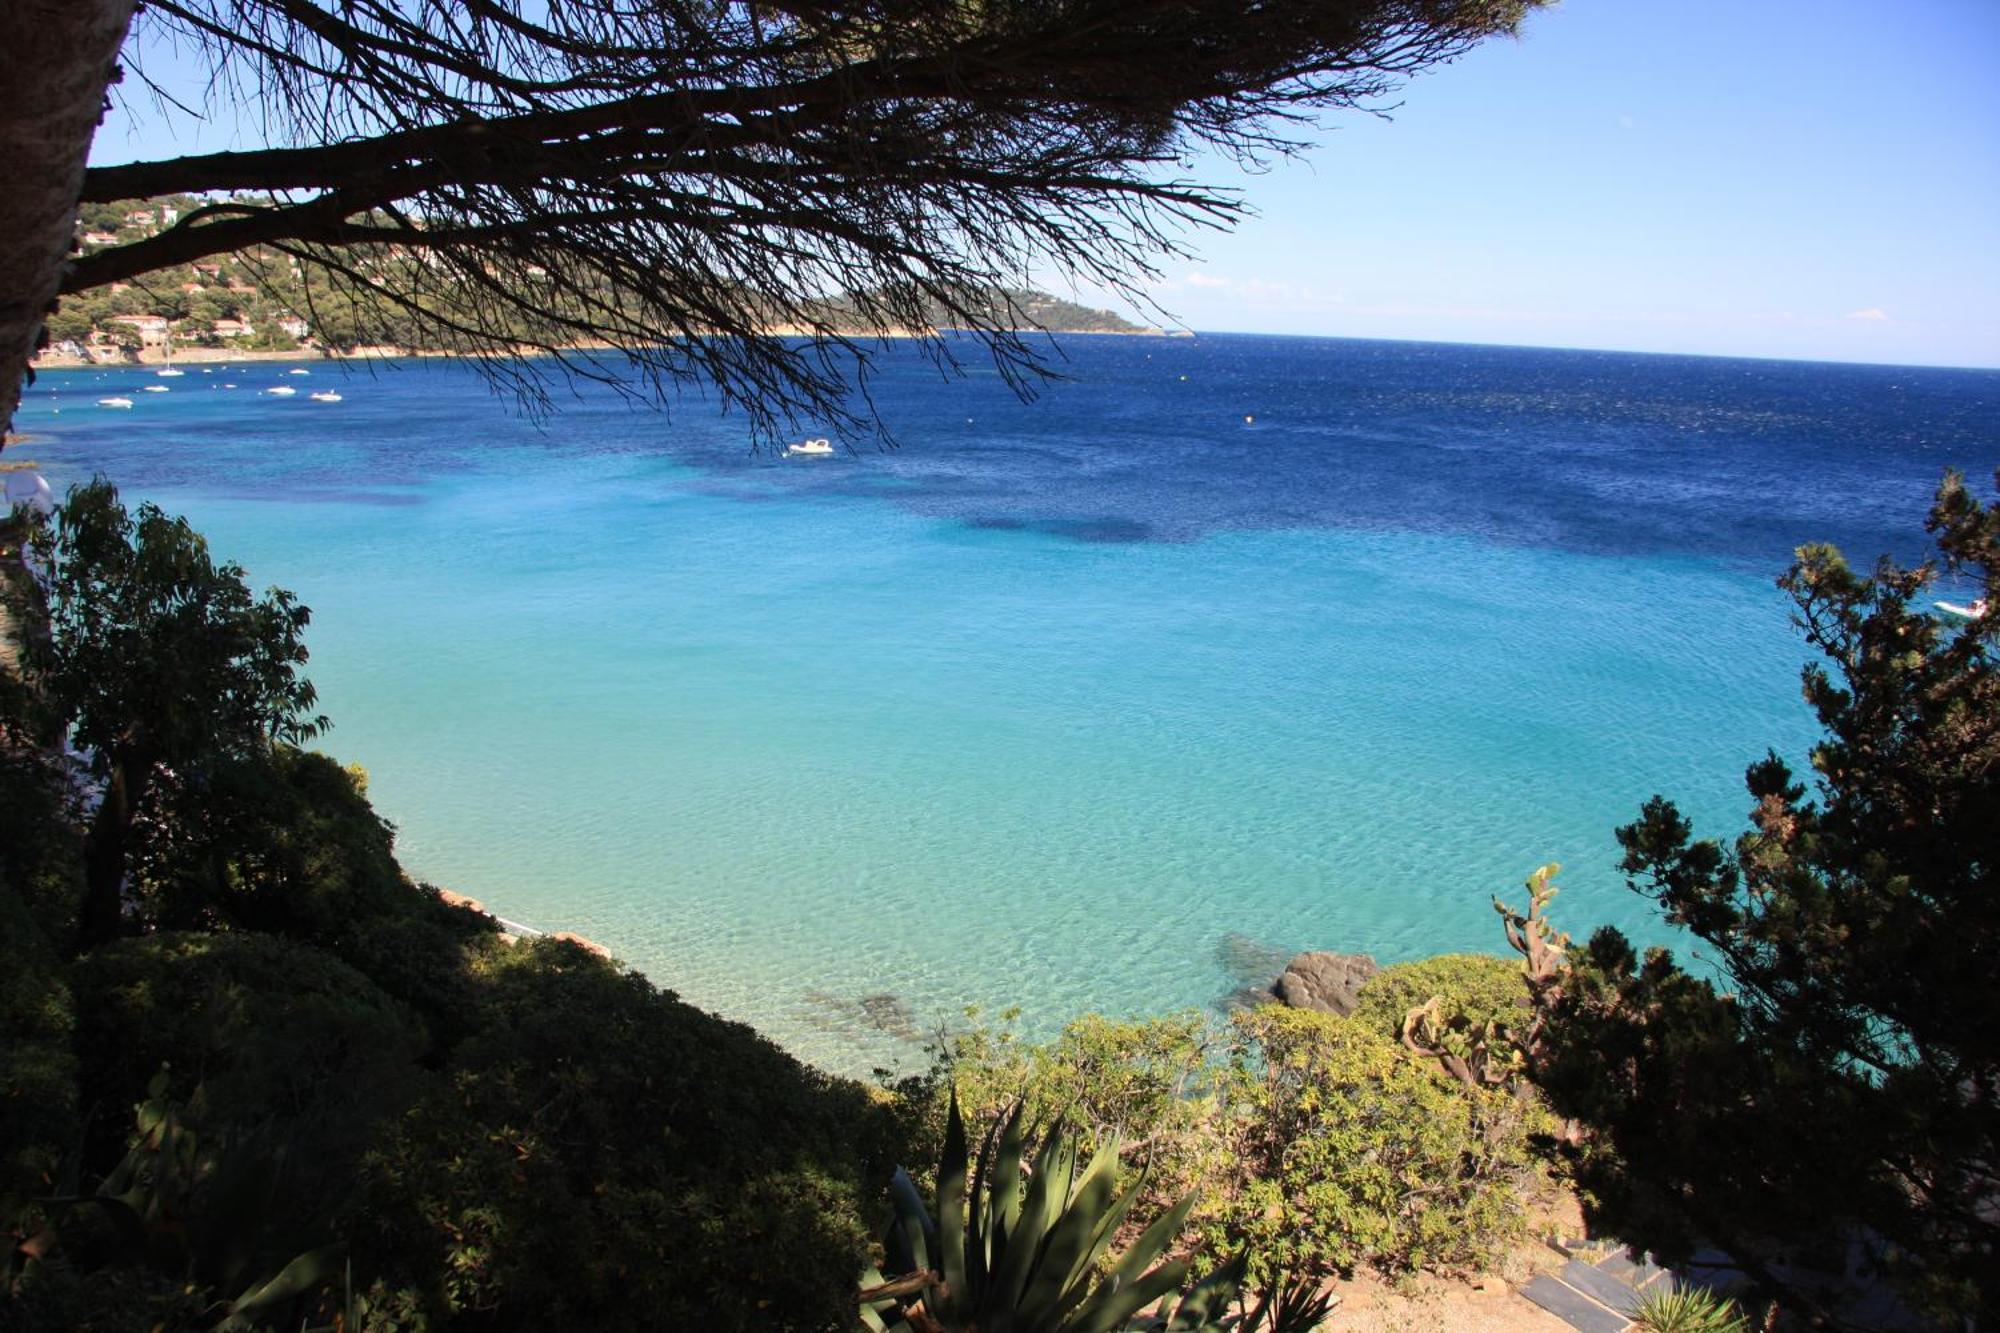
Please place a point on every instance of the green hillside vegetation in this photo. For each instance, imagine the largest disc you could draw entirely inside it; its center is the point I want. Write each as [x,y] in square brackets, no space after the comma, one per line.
[261,300]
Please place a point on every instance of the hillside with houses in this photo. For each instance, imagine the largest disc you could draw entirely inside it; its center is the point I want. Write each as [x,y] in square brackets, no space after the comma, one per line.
[266,301]
[231,302]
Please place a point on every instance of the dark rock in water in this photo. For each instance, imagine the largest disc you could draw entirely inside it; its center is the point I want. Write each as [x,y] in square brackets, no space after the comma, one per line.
[1245,997]
[891,1014]
[854,1018]
[1328,982]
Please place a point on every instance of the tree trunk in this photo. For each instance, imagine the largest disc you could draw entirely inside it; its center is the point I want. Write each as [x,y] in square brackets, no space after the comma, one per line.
[57,59]
[106,849]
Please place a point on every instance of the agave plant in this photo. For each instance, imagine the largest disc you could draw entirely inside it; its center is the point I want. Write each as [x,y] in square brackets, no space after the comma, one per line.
[1291,1302]
[1688,1309]
[1015,1247]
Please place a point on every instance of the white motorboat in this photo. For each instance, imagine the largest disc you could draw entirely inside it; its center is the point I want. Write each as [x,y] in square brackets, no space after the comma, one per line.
[327,396]
[170,374]
[114,402]
[298,372]
[1972,612]
[282,391]
[817,448]
[158,388]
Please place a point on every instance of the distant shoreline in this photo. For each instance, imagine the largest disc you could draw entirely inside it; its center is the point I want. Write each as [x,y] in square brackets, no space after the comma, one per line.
[155,356]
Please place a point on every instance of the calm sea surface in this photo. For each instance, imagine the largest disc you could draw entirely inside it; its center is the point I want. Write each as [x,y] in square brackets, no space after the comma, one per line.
[1086,704]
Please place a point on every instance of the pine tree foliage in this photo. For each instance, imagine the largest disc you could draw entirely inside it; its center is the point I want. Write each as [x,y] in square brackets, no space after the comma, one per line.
[675,179]
[1845,1087]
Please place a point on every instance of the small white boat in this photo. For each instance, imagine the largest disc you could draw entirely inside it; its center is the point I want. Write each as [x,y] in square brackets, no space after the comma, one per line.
[114,402]
[282,391]
[229,386]
[298,372]
[170,374]
[327,396]
[818,448]
[158,388]
[1972,612]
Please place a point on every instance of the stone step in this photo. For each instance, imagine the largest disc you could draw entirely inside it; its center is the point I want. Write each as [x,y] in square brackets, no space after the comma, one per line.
[1633,1269]
[1600,1286]
[1574,1308]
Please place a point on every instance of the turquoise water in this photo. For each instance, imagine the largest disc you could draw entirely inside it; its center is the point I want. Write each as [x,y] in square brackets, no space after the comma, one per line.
[788,734]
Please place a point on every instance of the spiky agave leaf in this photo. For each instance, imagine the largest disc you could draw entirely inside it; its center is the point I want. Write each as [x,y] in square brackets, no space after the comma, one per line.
[1204,1308]
[908,1241]
[1057,1267]
[951,1211]
[1048,1192]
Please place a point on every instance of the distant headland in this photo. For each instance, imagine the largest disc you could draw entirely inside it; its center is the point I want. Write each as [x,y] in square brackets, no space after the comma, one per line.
[257,304]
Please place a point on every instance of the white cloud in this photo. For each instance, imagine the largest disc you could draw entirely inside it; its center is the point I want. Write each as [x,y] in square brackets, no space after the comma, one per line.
[1204,280]
[1871,313]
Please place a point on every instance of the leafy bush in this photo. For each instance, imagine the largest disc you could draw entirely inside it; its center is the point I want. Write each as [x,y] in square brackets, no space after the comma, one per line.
[281,841]
[1148,1081]
[293,1059]
[286,842]
[1319,1143]
[1476,987]
[267,1026]
[38,1077]
[1352,1152]
[600,1155]
[39,881]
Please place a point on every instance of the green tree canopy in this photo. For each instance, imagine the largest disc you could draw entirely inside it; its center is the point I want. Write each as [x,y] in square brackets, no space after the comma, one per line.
[1846,1083]
[159,657]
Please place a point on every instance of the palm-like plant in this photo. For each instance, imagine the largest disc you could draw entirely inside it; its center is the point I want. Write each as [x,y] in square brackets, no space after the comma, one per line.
[1016,1247]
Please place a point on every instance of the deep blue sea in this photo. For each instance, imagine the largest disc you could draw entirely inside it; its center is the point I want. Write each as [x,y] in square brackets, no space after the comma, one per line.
[1226,646]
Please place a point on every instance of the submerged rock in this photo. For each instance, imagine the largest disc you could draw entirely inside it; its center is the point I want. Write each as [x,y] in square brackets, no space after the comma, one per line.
[853,1017]
[1250,961]
[1245,997]
[1328,982]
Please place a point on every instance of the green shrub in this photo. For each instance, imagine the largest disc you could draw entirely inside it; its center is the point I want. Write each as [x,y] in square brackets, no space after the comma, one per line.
[1476,987]
[1319,1142]
[284,1043]
[286,843]
[267,1025]
[39,886]
[38,1076]
[1350,1151]
[600,1155]
[282,841]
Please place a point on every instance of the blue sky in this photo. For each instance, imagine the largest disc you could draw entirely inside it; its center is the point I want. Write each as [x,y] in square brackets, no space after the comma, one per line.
[1790,178]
